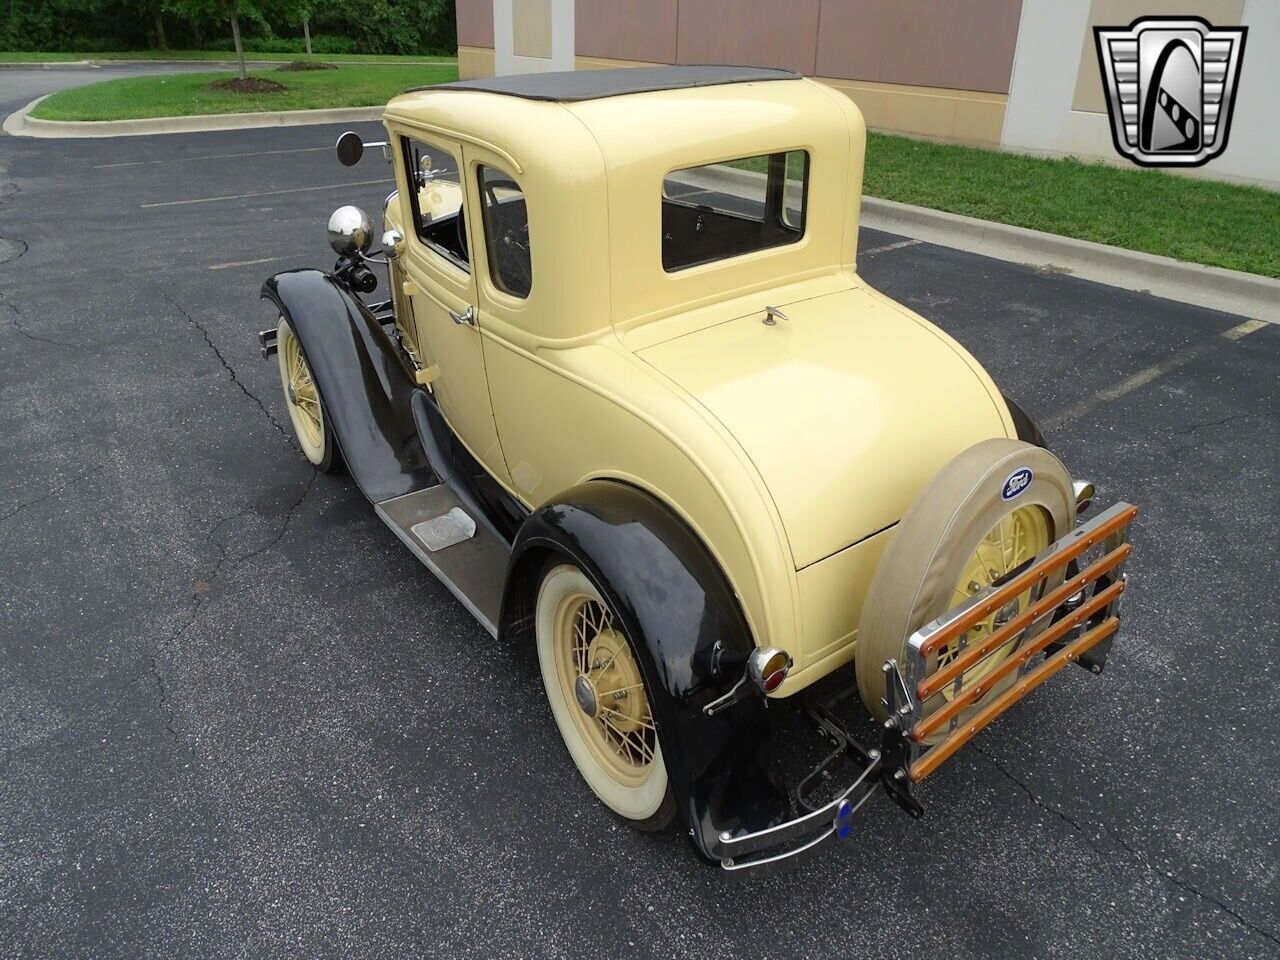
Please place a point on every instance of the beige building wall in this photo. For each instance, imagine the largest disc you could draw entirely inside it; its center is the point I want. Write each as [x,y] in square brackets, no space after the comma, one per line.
[913,66]
[1017,74]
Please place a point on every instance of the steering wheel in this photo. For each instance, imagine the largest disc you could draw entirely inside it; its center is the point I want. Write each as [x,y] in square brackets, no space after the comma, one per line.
[507,235]
[460,222]
[491,188]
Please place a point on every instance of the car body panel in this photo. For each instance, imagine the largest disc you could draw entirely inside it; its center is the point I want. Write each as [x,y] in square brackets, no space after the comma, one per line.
[366,384]
[817,402]
[588,378]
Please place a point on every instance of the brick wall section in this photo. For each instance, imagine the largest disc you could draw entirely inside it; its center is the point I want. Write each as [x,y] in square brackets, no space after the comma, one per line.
[759,33]
[642,30]
[475,23]
[923,43]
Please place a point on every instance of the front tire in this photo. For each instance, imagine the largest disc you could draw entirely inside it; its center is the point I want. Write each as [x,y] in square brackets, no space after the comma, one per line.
[303,401]
[599,699]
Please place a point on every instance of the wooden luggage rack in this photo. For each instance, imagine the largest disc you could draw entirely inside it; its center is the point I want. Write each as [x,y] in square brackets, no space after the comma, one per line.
[1076,586]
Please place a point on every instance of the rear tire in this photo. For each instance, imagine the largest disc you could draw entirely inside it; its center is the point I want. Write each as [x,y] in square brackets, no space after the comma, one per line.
[587,660]
[959,535]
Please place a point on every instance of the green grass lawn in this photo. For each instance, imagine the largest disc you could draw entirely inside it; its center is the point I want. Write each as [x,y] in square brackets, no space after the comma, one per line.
[219,55]
[184,94]
[1223,225]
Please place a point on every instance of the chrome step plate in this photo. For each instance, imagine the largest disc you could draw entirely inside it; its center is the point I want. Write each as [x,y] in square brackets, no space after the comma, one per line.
[473,565]
[442,532]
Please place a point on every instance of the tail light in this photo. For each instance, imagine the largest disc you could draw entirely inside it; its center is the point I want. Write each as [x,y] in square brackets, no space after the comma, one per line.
[768,667]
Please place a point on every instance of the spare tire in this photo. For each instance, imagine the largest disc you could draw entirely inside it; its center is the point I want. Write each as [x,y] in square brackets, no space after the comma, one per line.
[989,510]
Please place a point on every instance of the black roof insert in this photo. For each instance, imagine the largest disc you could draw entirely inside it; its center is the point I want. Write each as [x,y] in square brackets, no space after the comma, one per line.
[571,85]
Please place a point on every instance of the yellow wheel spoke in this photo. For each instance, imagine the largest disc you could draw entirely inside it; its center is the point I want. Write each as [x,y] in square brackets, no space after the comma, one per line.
[594,652]
[615,690]
[643,722]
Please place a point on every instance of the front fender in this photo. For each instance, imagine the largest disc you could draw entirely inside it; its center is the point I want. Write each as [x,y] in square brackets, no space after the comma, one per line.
[677,607]
[365,385]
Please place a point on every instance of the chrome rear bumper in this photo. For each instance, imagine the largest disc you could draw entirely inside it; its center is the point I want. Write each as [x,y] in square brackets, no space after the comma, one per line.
[817,829]
[1074,622]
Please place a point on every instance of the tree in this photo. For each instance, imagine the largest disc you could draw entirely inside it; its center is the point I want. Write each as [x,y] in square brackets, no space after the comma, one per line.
[258,10]
[158,19]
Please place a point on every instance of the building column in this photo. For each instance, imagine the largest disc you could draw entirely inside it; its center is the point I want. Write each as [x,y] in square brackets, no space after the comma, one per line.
[532,36]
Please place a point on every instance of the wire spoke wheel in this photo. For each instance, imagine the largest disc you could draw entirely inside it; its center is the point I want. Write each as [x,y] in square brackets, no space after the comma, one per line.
[599,672]
[599,699]
[1012,541]
[302,399]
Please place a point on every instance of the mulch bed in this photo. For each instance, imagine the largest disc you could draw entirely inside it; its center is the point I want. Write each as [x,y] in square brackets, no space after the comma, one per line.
[308,65]
[248,85]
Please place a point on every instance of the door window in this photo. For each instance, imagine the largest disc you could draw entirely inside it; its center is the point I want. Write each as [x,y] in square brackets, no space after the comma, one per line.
[439,217]
[506,232]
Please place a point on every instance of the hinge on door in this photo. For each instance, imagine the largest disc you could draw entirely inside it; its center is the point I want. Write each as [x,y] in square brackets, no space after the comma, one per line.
[410,288]
[427,375]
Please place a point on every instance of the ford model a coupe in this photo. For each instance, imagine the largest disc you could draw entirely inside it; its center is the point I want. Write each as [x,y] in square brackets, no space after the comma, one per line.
[630,400]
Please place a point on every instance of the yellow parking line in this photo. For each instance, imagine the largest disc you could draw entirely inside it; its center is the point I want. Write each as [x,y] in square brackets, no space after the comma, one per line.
[1244,329]
[1145,376]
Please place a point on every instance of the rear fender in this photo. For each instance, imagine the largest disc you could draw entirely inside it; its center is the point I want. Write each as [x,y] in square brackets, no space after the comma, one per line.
[677,607]
[364,382]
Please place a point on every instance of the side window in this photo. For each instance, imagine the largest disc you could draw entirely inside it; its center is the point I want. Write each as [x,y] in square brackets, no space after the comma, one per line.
[721,210]
[506,232]
[439,219]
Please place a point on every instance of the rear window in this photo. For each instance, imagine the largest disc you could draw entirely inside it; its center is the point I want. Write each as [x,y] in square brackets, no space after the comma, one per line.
[721,210]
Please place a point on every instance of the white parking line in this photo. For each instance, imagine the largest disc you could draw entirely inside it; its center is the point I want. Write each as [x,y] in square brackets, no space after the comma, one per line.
[211,156]
[264,193]
[1145,376]
[244,263]
[889,246]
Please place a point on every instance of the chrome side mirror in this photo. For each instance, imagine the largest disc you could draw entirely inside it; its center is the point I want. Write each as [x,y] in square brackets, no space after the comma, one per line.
[350,231]
[350,148]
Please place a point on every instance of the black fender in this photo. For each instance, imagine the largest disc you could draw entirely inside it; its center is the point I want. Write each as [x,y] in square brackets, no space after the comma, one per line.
[690,635]
[365,384]
[1027,429]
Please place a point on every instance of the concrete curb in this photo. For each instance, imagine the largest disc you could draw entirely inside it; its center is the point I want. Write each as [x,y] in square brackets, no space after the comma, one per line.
[1232,291]
[21,124]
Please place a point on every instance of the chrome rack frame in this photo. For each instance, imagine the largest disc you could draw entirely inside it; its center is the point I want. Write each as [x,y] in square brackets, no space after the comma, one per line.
[1075,622]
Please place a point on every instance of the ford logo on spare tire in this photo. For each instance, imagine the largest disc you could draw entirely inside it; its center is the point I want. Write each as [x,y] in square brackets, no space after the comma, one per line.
[1018,481]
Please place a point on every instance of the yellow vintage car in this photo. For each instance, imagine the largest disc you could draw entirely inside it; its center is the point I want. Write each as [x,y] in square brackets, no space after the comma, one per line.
[628,397]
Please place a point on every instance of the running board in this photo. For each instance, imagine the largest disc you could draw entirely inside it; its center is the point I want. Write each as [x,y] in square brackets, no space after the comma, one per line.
[463,554]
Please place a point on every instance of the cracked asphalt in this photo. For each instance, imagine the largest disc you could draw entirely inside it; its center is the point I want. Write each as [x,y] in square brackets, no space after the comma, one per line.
[238,719]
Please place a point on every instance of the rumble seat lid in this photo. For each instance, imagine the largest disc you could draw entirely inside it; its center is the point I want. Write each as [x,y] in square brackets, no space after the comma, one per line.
[847,408]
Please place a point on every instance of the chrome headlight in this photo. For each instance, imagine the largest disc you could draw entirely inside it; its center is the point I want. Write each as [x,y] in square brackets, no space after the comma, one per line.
[350,230]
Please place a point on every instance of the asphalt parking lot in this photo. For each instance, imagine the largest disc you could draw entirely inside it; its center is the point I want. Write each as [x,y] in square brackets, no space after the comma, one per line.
[237,718]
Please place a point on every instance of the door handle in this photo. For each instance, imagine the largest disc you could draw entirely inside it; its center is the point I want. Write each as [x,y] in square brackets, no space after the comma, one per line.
[465,319]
